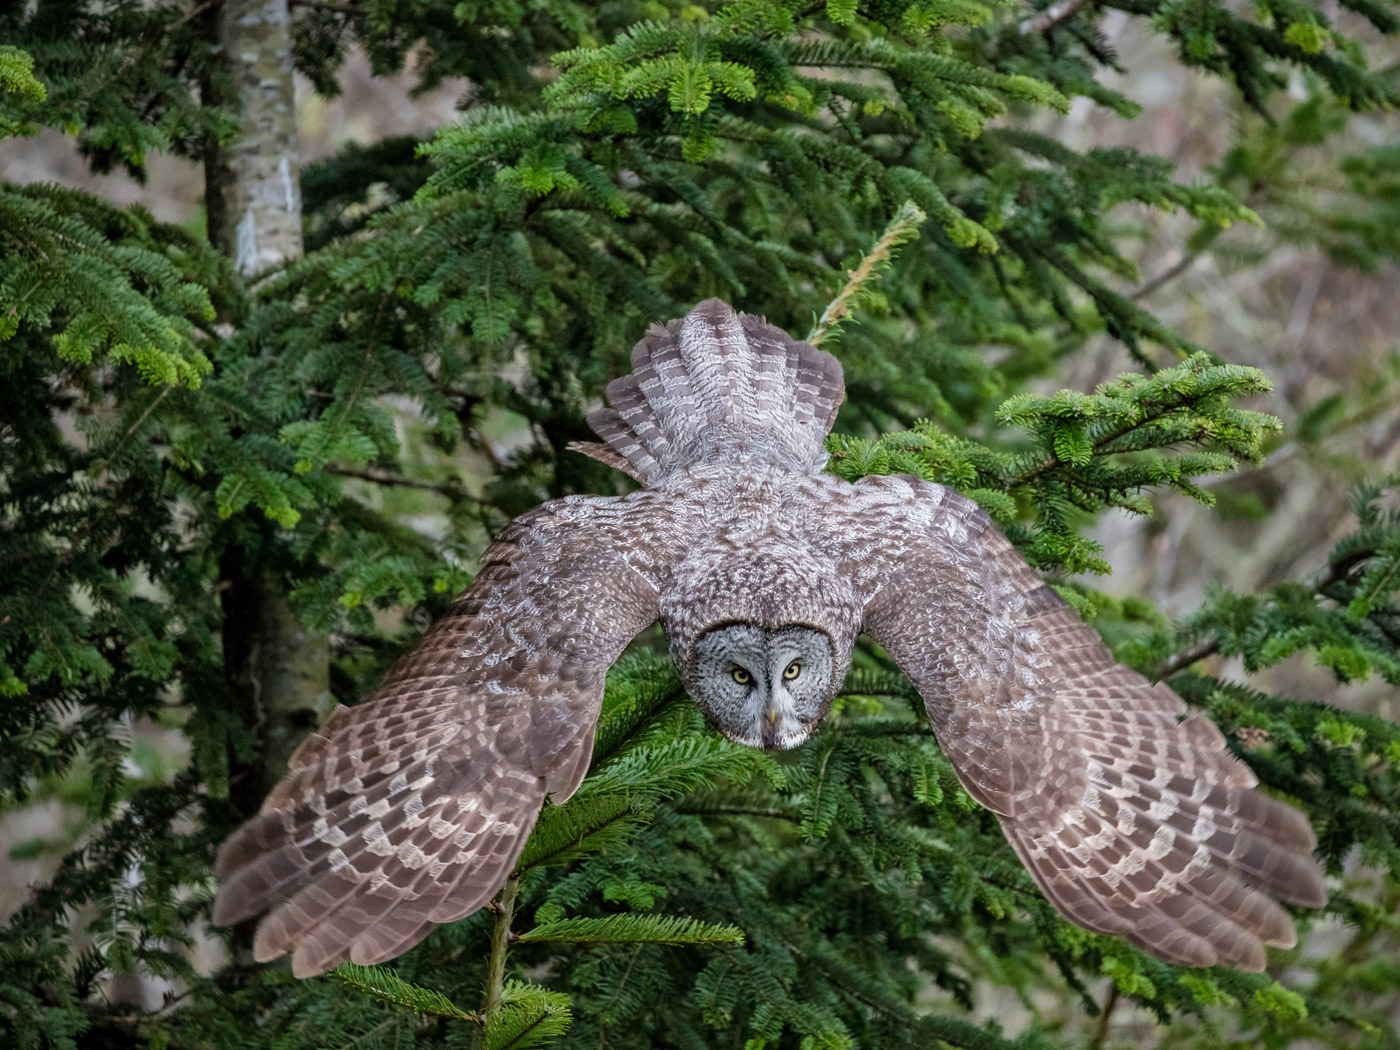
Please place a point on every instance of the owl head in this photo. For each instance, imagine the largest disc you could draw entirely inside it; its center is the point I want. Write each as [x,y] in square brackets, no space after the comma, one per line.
[765,686]
[763,643]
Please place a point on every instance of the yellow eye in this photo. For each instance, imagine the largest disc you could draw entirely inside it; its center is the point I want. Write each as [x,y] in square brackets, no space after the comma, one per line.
[793,670]
[741,676]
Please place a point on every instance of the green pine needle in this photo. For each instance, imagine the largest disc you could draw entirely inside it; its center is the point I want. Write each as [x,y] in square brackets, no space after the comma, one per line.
[635,929]
[528,1017]
[384,984]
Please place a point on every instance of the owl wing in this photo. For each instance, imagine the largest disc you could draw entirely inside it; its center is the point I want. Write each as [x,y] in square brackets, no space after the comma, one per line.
[410,808]
[1130,813]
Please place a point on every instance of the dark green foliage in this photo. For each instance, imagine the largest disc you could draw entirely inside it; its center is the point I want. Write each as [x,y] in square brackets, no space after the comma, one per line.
[122,77]
[530,1016]
[633,929]
[614,163]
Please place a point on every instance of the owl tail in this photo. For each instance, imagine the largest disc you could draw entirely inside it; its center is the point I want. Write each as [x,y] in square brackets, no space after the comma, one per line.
[718,386]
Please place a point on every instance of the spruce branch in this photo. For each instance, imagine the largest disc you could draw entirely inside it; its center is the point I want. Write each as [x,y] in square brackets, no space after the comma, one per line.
[17,75]
[530,1017]
[1173,396]
[1184,659]
[1336,570]
[583,825]
[930,1027]
[382,983]
[903,227]
[635,929]
[703,810]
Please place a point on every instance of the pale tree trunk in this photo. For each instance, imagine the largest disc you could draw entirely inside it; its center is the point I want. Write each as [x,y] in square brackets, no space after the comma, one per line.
[254,190]
[253,200]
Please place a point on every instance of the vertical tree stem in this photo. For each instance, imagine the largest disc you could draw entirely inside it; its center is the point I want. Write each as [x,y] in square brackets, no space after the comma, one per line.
[254,185]
[1096,1041]
[500,945]
[278,668]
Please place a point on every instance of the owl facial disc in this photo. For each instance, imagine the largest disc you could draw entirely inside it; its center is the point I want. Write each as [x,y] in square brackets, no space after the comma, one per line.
[764,687]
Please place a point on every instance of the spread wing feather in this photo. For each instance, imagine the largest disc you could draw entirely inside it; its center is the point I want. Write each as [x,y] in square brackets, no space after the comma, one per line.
[411,808]
[718,385]
[1129,812]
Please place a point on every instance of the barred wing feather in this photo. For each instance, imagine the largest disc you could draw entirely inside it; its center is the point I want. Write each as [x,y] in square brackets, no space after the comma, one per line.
[1128,811]
[411,808]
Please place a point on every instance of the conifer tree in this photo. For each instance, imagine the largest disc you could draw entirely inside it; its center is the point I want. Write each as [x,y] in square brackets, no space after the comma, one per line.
[180,428]
[253,201]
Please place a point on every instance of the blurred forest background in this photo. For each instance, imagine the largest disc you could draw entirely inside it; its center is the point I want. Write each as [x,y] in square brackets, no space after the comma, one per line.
[352,466]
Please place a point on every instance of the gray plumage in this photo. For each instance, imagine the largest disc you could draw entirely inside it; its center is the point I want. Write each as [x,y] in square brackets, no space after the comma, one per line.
[411,808]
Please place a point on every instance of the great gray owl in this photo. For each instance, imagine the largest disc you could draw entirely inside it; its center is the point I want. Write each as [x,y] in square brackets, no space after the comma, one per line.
[411,808]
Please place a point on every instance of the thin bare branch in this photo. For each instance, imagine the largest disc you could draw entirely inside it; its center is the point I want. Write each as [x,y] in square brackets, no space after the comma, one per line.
[1320,581]
[1184,659]
[1171,273]
[452,490]
[1096,1041]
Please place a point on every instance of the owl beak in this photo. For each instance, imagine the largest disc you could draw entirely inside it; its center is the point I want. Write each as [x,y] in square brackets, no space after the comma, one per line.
[772,715]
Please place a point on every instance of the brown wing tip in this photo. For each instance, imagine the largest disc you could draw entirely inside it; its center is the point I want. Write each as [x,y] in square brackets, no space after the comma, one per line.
[226,913]
[604,454]
[303,968]
[265,948]
[1311,889]
[243,894]
[1285,939]
[230,908]
[230,905]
